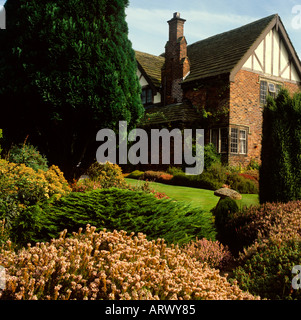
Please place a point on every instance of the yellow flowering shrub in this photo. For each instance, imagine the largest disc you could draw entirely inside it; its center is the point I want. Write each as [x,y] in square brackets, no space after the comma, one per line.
[28,186]
[111,266]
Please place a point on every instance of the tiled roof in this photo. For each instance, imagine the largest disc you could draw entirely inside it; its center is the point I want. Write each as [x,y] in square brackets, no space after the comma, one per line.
[213,56]
[221,53]
[181,112]
[152,65]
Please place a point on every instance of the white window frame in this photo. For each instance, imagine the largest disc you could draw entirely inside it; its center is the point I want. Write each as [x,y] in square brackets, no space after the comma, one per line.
[241,147]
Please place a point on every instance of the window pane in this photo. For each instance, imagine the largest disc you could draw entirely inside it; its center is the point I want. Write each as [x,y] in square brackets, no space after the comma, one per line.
[143,96]
[263,92]
[234,140]
[215,138]
[243,142]
[224,140]
[149,96]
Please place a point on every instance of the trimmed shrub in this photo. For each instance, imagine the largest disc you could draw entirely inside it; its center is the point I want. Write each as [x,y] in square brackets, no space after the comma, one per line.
[111,266]
[157,176]
[242,185]
[268,272]
[174,170]
[29,155]
[108,174]
[212,179]
[126,210]
[222,213]
[136,175]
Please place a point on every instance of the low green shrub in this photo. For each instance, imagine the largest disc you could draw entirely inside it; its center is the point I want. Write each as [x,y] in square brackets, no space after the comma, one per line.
[108,174]
[211,156]
[268,272]
[157,176]
[222,213]
[28,155]
[136,175]
[174,170]
[116,209]
[241,184]
[212,179]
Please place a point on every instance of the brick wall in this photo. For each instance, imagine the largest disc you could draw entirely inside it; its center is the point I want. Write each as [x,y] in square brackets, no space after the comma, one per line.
[245,110]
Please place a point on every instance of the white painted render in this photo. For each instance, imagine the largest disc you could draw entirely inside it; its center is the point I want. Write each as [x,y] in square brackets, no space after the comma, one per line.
[272,59]
[143,83]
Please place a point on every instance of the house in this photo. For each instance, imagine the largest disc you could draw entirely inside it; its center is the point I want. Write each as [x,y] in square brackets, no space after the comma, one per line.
[220,84]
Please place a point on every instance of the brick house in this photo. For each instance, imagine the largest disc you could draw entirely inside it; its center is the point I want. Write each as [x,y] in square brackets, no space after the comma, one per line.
[220,84]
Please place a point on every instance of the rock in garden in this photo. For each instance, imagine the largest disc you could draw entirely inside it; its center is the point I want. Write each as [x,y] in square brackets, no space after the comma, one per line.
[228,193]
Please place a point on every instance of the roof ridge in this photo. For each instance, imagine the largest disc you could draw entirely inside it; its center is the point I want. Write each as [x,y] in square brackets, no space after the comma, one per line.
[268,18]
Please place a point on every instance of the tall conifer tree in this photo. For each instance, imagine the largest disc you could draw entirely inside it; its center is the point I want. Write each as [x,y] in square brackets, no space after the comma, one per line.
[67,70]
[280,173]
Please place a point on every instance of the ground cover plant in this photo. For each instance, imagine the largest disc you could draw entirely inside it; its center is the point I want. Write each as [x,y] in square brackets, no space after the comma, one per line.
[111,266]
[118,209]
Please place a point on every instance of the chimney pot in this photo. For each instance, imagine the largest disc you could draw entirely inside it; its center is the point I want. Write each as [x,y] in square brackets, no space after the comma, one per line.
[177,15]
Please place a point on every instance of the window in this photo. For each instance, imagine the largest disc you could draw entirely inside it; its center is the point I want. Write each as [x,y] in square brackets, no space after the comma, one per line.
[268,88]
[224,140]
[242,141]
[234,140]
[238,140]
[219,138]
[147,96]
[263,92]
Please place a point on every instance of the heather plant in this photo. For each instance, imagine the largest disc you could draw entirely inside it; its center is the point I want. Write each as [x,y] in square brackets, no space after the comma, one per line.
[29,155]
[111,266]
[212,252]
[268,271]
[268,221]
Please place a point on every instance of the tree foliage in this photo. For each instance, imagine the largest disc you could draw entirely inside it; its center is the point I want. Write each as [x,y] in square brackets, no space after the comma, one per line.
[67,70]
[280,174]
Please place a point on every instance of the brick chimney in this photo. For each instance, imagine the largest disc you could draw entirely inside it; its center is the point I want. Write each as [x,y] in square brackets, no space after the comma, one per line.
[177,65]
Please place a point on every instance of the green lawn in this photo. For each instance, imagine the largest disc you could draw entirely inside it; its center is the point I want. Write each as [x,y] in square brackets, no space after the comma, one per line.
[196,197]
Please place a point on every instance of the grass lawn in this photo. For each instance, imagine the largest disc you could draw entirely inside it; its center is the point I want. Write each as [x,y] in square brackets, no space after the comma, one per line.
[196,197]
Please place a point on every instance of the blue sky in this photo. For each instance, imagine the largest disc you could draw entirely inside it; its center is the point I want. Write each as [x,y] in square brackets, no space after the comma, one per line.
[148,28]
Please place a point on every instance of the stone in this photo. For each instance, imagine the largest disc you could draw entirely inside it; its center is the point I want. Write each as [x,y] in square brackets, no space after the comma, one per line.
[228,193]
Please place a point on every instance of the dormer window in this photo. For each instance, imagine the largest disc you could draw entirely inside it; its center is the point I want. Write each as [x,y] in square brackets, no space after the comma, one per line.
[147,96]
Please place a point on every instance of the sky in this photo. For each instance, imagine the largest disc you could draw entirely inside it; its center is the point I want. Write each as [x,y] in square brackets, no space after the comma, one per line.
[148,28]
